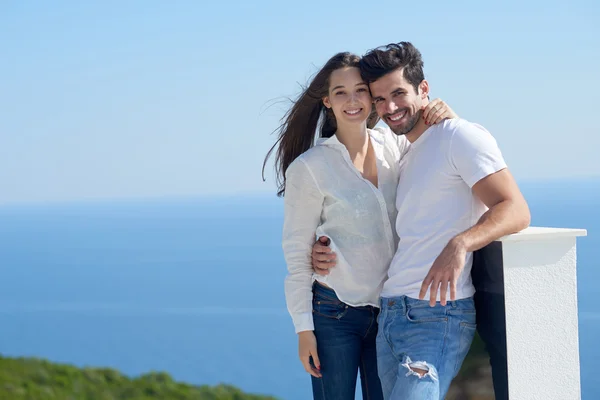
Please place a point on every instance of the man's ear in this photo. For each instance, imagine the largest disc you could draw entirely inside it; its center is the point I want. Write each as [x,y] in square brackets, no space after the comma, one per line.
[326,102]
[424,89]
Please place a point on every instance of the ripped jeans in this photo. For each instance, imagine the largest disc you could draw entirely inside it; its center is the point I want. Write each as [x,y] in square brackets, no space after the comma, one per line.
[413,335]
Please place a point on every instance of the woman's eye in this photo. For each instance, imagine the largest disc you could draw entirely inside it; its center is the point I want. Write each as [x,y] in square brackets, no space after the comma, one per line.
[339,93]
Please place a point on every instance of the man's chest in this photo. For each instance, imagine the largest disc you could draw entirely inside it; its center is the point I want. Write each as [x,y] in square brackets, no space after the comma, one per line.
[428,184]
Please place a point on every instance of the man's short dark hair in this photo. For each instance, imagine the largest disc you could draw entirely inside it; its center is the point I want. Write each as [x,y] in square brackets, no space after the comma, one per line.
[385,59]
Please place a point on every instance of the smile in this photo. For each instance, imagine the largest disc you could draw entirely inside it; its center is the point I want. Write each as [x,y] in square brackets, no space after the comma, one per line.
[354,111]
[397,117]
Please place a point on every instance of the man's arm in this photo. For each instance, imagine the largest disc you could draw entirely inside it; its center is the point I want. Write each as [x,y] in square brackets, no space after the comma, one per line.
[476,158]
[508,211]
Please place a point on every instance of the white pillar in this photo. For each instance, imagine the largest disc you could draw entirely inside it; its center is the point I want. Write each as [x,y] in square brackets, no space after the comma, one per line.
[540,284]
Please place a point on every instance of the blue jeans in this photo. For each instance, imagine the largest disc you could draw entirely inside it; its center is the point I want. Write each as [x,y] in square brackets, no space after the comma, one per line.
[413,335]
[346,344]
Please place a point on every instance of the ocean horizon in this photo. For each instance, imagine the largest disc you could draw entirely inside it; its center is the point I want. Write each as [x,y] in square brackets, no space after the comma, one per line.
[194,286]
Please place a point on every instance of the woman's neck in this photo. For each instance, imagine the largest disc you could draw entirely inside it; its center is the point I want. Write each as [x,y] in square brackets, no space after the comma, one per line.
[355,138]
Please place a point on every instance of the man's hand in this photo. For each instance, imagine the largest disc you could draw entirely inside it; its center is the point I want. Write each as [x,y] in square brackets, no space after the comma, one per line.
[445,271]
[307,348]
[322,256]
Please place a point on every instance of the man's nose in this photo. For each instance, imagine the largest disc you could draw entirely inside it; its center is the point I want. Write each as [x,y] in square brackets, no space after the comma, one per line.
[391,107]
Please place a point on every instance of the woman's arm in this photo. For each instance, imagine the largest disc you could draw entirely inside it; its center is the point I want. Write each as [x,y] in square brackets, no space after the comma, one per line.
[303,205]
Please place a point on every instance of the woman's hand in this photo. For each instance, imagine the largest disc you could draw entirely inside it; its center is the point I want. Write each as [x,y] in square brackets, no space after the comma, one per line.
[437,111]
[307,348]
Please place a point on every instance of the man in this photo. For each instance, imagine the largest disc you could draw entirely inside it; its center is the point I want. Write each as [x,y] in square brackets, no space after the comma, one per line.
[455,196]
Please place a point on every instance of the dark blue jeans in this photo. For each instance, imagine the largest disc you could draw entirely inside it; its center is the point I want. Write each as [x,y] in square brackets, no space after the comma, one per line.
[346,344]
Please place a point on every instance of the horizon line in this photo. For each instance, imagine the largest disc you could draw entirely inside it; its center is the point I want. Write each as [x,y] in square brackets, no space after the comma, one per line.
[225,195]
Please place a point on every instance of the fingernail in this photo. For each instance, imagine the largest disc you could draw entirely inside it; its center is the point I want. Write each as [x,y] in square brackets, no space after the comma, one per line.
[318,367]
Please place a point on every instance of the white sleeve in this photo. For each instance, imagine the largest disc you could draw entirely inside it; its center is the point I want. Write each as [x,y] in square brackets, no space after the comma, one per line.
[303,203]
[474,153]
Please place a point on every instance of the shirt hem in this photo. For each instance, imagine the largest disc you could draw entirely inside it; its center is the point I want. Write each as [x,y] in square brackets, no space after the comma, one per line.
[460,295]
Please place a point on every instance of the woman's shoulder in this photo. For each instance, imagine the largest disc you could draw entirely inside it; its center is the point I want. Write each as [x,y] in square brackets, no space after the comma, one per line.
[397,144]
[309,160]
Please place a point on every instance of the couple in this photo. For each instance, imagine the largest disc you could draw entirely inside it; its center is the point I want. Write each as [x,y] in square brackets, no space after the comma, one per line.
[402,212]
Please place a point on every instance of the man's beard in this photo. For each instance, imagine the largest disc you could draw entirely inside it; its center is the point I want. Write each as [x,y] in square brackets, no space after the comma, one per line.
[409,125]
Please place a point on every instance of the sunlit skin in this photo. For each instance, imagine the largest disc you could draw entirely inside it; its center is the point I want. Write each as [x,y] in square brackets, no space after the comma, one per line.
[399,105]
[349,99]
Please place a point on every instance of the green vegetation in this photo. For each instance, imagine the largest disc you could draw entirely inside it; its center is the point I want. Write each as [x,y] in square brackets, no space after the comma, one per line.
[35,379]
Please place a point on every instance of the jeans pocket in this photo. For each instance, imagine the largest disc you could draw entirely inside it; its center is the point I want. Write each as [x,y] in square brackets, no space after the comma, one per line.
[329,308]
[426,314]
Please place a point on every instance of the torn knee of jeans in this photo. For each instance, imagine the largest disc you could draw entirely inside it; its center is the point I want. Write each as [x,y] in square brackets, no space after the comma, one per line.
[420,369]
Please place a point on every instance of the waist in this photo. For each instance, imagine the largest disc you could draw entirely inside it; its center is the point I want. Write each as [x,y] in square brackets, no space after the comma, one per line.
[323,291]
[405,303]
[408,281]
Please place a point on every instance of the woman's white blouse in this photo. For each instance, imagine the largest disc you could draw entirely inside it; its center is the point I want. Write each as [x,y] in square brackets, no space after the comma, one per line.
[326,195]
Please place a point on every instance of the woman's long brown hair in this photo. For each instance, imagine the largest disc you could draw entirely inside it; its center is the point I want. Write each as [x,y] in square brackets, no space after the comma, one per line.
[298,130]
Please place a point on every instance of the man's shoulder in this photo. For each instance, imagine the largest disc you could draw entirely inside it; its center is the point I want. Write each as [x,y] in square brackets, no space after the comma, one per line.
[458,132]
[460,126]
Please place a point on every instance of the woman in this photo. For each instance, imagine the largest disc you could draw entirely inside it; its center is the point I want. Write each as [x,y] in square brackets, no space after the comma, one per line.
[344,188]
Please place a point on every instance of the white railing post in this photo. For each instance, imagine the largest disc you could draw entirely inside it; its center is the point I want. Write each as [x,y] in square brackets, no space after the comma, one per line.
[542,336]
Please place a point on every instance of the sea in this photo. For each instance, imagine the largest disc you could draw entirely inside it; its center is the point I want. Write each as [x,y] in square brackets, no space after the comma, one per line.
[194,286]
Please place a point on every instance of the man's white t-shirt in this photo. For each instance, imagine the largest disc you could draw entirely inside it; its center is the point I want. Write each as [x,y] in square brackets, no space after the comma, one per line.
[435,201]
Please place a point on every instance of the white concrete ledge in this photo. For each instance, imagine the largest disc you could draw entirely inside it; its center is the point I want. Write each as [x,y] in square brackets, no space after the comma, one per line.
[540,233]
[542,334]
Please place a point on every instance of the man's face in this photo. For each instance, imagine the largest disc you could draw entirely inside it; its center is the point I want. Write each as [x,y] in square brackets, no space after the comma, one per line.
[396,101]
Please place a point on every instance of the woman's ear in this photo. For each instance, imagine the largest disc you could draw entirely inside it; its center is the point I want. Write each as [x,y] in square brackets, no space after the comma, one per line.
[326,102]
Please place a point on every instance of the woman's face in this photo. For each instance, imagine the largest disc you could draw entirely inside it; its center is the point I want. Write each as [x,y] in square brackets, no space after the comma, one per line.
[348,97]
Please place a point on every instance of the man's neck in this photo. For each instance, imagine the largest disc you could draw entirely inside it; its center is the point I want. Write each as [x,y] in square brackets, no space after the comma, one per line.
[417,131]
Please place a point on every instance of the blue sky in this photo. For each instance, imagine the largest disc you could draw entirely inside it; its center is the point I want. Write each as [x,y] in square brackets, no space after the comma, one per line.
[119,99]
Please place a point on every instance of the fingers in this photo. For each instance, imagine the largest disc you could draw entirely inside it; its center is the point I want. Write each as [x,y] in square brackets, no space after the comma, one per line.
[433,291]
[309,368]
[437,117]
[316,362]
[443,292]
[437,111]
[320,248]
[325,240]
[425,285]
[453,289]
[321,271]
[322,256]
[322,263]
[427,110]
